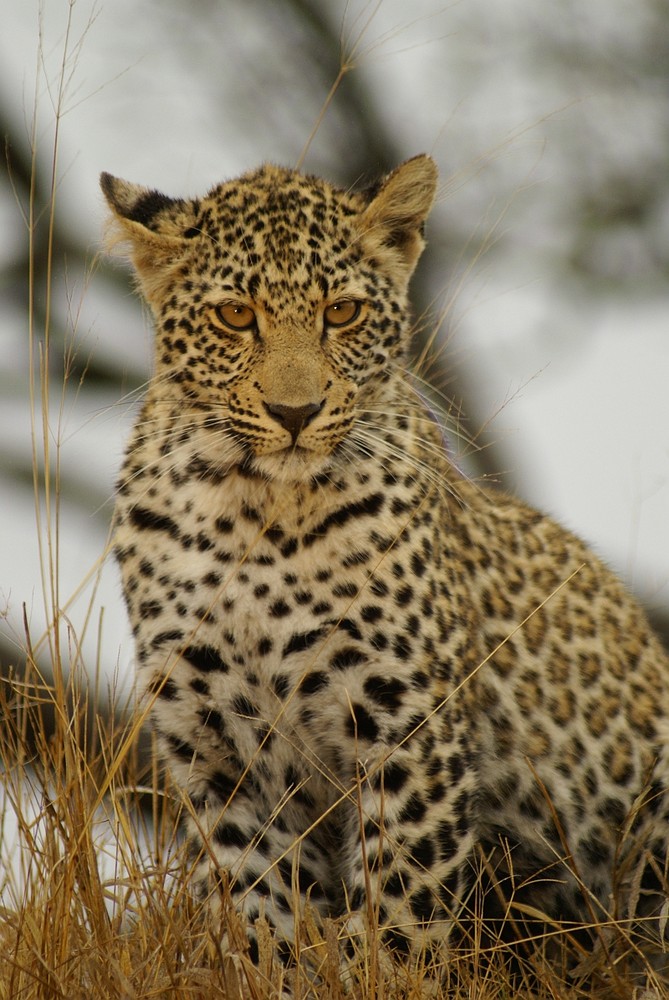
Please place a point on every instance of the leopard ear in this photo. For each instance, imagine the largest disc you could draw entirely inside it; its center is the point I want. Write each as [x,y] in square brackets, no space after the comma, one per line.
[394,219]
[153,228]
[143,212]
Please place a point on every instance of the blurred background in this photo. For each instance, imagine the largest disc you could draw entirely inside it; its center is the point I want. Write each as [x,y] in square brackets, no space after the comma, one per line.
[545,285]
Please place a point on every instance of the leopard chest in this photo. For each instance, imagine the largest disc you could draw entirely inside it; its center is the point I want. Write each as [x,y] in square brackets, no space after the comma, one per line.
[304,625]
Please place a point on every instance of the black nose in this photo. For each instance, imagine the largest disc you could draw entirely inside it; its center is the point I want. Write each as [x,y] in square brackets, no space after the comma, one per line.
[293,418]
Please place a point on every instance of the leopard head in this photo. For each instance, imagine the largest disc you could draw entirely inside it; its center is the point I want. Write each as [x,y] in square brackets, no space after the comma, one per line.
[280,303]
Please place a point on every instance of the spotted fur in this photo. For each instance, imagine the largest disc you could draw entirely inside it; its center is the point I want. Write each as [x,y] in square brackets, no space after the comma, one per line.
[366,673]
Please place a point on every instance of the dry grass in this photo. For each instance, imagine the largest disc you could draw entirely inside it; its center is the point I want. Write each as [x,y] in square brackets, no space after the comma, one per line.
[95,899]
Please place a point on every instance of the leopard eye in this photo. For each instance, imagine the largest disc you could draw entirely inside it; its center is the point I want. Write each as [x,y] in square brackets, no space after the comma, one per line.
[342,313]
[235,316]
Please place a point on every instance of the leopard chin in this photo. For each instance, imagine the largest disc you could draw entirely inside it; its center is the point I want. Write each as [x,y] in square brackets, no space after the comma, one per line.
[291,465]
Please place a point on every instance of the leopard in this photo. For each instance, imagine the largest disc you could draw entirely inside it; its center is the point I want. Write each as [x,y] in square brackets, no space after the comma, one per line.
[378,683]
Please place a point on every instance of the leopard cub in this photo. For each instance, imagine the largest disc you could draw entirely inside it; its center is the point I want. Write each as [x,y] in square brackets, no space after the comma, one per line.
[381,687]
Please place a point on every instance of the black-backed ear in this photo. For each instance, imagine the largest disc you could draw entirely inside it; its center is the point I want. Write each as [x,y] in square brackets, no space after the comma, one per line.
[155,228]
[393,222]
[135,206]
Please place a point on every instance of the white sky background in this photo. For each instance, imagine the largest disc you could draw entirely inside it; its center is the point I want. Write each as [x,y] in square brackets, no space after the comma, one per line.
[179,97]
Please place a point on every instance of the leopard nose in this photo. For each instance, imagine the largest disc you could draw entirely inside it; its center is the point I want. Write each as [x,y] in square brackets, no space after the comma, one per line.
[294,418]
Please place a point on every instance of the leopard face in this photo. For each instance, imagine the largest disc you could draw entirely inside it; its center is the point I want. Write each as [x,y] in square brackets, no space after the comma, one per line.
[277,365]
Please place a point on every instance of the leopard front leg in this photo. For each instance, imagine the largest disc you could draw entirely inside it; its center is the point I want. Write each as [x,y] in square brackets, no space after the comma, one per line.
[256,854]
[250,805]
[409,859]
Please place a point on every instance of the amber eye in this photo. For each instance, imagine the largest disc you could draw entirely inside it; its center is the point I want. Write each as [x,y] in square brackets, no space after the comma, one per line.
[342,313]
[236,316]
